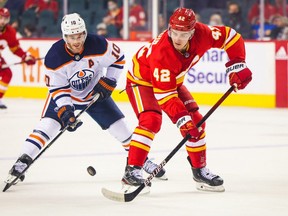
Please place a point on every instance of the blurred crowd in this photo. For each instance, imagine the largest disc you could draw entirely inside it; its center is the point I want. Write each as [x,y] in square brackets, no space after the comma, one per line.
[42,18]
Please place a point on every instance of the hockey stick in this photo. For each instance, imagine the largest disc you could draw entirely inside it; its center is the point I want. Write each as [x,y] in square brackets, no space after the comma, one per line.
[17,63]
[127,197]
[95,98]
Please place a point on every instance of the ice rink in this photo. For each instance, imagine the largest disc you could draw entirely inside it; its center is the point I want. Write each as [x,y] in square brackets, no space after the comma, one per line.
[247,147]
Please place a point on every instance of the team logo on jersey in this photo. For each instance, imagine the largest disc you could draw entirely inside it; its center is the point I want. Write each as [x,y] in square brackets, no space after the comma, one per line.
[81,79]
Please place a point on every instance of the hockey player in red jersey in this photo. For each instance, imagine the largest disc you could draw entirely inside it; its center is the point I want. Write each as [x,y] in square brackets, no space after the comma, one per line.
[8,38]
[155,84]
[74,72]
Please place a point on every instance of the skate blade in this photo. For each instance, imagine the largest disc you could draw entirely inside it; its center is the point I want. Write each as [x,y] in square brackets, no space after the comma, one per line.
[162,178]
[11,178]
[205,187]
[129,189]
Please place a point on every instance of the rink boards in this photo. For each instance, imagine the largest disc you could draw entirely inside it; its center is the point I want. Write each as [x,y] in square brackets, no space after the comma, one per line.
[206,80]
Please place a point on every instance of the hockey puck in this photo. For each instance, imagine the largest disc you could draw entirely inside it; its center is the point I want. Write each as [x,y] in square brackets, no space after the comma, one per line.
[91,170]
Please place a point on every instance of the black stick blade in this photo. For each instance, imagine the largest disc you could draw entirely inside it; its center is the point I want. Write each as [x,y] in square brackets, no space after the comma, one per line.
[7,186]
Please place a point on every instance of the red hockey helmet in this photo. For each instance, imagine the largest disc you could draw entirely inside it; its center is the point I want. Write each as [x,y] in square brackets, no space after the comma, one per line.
[182,19]
[4,12]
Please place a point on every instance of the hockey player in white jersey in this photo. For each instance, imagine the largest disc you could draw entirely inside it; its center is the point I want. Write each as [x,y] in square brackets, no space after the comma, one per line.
[74,73]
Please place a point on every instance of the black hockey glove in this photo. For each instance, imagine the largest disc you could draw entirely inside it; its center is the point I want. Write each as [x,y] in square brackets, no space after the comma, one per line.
[104,87]
[67,117]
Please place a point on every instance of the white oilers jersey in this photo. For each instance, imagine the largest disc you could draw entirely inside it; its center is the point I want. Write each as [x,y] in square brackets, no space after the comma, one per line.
[72,77]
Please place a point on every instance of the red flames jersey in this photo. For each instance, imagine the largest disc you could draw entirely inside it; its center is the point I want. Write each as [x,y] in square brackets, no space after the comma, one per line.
[137,17]
[160,66]
[8,38]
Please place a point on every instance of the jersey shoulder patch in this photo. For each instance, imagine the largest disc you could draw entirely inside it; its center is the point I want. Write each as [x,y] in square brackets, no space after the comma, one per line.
[95,45]
[57,55]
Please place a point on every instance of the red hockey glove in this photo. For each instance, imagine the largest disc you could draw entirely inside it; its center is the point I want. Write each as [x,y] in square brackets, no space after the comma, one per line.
[28,59]
[187,126]
[238,73]
[67,117]
[104,87]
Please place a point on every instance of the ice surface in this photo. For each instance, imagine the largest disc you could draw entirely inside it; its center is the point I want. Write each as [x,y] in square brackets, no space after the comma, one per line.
[247,147]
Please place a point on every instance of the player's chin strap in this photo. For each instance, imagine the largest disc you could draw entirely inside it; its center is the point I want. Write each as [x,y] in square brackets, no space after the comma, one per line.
[95,98]
[4,66]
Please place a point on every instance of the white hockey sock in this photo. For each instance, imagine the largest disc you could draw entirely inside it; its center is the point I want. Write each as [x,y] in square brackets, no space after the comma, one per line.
[30,149]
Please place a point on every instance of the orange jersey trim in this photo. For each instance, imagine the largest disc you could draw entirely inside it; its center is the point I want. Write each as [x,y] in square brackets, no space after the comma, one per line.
[60,91]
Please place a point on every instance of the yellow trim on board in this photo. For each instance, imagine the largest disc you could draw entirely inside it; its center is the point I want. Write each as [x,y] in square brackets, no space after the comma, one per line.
[245,100]
[26,92]
[235,99]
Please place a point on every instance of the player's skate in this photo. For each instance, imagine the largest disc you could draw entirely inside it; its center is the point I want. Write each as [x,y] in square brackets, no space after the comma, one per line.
[133,178]
[2,105]
[206,180]
[149,166]
[17,169]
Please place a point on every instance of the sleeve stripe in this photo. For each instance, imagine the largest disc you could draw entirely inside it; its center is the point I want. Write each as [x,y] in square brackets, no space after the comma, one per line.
[60,88]
[230,35]
[86,100]
[121,59]
[117,66]
[232,41]
[227,29]
[120,62]
[61,96]
[60,92]
[13,49]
